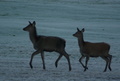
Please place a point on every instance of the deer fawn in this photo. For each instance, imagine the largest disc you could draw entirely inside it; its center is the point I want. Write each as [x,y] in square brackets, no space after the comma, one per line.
[88,49]
[46,43]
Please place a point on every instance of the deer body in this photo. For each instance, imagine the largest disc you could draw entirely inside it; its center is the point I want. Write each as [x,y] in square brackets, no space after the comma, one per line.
[46,43]
[49,43]
[88,49]
[95,49]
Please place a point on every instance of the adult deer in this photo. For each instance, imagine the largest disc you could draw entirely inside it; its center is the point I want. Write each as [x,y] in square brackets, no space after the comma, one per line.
[88,49]
[46,43]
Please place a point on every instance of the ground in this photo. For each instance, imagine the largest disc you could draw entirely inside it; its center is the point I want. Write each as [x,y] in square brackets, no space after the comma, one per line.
[101,20]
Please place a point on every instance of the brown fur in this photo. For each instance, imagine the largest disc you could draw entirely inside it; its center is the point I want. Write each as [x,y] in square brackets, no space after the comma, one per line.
[46,43]
[96,49]
[88,49]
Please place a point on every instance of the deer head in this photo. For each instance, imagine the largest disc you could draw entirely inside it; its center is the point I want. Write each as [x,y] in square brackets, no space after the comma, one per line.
[30,26]
[79,33]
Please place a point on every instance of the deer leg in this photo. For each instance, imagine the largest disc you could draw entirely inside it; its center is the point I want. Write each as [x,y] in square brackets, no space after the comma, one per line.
[56,63]
[80,60]
[107,60]
[35,53]
[68,59]
[109,65]
[86,62]
[42,56]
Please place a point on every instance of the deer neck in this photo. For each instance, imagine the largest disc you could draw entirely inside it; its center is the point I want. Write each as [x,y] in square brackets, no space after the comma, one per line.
[33,36]
[81,42]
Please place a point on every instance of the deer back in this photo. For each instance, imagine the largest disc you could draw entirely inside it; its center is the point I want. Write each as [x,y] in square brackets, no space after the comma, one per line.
[49,43]
[95,49]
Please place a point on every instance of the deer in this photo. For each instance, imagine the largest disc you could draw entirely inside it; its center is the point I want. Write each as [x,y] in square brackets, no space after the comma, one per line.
[46,44]
[88,49]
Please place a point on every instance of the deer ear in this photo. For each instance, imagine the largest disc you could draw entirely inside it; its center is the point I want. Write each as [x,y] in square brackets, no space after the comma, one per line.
[34,22]
[29,22]
[83,30]
[78,29]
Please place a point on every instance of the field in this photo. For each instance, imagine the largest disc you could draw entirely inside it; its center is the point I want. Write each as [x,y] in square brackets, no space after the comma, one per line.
[100,18]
